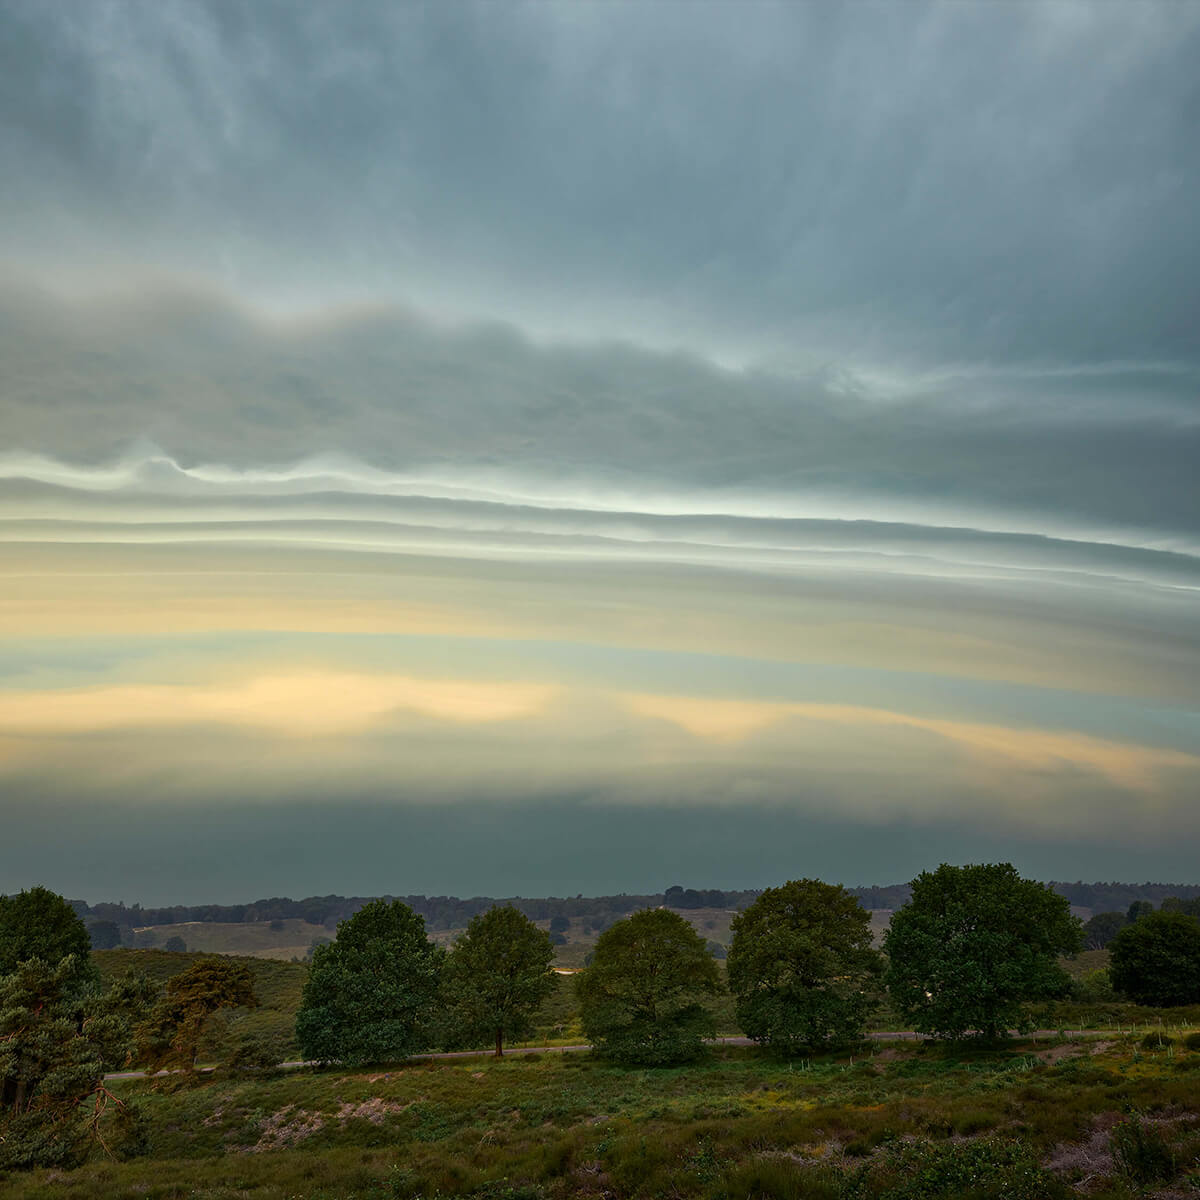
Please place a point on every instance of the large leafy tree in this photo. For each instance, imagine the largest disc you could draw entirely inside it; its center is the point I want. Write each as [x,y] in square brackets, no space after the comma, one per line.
[1156,960]
[801,966]
[169,1039]
[641,999]
[496,975]
[972,945]
[372,993]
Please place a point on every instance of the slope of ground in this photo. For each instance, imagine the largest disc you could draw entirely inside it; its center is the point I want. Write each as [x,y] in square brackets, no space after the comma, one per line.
[1026,1122]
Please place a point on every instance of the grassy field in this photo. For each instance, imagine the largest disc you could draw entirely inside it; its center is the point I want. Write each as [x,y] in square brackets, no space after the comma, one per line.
[292,938]
[905,1122]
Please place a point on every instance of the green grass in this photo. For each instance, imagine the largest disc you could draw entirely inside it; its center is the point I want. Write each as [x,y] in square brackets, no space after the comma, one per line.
[905,1122]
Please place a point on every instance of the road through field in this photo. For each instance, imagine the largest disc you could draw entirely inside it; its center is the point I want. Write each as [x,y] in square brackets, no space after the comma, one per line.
[902,1035]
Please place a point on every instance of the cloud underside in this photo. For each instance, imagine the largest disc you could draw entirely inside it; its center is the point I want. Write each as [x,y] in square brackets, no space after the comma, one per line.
[779,409]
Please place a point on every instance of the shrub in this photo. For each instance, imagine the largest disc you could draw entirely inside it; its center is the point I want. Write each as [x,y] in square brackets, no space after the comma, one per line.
[1141,1152]
[1157,1040]
[987,1169]
[1192,1041]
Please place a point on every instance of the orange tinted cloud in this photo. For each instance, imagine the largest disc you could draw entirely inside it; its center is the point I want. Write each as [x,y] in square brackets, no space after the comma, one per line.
[303,703]
[730,721]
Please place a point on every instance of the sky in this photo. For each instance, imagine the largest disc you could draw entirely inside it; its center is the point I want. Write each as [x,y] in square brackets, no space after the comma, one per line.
[522,449]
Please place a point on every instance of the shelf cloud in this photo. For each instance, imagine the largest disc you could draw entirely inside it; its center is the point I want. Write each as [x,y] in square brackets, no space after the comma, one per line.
[573,410]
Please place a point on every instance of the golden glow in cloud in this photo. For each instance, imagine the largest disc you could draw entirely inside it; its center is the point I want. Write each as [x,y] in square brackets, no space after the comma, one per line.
[731,721]
[302,703]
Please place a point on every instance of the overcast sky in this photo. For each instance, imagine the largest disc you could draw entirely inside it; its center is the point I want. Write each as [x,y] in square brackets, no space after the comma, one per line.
[515,448]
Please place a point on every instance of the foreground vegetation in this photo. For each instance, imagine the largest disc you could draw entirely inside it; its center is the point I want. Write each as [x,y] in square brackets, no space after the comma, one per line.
[1103,1118]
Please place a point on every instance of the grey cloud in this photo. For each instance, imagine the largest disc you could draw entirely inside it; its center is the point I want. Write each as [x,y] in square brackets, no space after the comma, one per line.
[874,183]
[386,403]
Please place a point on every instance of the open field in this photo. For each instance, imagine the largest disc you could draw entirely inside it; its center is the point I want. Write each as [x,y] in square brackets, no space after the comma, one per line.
[288,939]
[905,1122]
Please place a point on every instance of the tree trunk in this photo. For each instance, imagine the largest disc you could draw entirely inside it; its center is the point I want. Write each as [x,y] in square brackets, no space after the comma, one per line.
[499,1043]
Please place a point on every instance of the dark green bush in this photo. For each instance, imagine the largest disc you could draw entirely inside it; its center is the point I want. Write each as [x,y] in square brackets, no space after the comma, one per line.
[987,1169]
[1157,1040]
[1192,1041]
[1141,1151]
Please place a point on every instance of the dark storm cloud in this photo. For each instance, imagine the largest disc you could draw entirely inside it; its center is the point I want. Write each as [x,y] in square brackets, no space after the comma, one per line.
[883,183]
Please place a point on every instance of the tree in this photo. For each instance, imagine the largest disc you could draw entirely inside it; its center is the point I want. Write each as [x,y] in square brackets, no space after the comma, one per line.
[800,964]
[641,997]
[1139,909]
[496,976]
[559,924]
[38,923]
[54,1050]
[972,944]
[170,1036]
[1156,960]
[104,935]
[372,993]
[175,944]
[1102,928]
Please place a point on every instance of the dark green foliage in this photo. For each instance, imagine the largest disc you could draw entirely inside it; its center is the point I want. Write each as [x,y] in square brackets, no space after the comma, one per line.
[1192,1041]
[559,924]
[1156,960]
[1157,1040]
[175,945]
[1141,1151]
[972,945]
[640,999]
[495,977]
[170,1037]
[800,965]
[1102,928]
[104,935]
[256,1052]
[38,923]
[986,1169]
[1139,909]
[372,993]
[54,1049]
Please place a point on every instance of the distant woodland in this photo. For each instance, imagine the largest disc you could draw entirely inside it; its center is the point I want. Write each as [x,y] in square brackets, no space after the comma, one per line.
[451,912]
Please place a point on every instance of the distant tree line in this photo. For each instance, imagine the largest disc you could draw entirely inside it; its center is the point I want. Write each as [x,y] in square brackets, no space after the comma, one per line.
[599,912]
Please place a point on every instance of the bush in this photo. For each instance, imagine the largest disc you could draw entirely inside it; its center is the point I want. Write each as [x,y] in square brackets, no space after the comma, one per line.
[987,1169]
[1192,1041]
[1157,1040]
[1141,1152]
[257,1052]
[780,1179]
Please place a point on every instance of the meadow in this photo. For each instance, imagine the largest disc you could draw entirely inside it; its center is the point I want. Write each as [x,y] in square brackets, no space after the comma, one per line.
[1103,1117]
